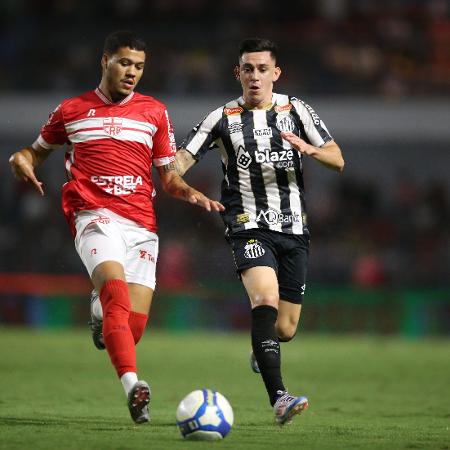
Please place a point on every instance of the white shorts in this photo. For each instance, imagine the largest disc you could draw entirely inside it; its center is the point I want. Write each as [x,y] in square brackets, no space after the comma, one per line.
[102,235]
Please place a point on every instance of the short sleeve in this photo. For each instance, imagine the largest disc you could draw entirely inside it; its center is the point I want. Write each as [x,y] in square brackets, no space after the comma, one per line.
[53,133]
[202,137]
[164,145]
[312,125]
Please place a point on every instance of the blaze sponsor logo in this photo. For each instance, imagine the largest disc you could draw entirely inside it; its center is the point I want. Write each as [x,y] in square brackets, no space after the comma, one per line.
[285,123]
[283,108]
[112,125]
[272,217]
[281,159]
[253,249]
[233,111]
[117,184]
[243,158]
[262,132]
[235,127]
[242,218]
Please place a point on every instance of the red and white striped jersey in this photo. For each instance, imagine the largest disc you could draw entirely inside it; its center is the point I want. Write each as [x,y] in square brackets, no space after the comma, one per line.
[113,148]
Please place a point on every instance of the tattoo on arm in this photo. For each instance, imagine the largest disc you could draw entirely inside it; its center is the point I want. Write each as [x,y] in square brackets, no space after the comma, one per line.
[169,167]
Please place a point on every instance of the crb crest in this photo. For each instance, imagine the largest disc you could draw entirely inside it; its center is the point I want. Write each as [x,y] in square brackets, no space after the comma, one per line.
[112,125]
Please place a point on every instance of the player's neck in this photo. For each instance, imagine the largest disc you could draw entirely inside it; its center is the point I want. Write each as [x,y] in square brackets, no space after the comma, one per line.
[112,97]
[263,104]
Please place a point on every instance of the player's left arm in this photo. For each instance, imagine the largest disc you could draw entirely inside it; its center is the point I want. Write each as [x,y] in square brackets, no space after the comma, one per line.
[175,186]
[329,154]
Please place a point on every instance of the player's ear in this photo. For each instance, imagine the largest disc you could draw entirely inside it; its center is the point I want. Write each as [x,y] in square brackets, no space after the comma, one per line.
[104,61]
[237,73]
[276,73]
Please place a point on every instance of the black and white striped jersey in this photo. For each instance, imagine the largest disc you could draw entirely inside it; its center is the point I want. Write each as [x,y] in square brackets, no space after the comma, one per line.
[263,179]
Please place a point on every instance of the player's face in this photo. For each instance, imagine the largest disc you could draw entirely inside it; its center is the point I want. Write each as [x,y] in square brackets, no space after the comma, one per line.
[257,72]
[122,72]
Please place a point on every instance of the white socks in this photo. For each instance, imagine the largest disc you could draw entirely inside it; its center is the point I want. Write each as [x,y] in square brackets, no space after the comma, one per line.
[128,379]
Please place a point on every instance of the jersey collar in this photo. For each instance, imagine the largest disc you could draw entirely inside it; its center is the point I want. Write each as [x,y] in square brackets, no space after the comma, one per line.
[106,100]
[268,107]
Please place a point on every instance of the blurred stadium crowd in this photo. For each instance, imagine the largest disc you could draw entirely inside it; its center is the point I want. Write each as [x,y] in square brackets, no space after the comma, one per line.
[393,48]
[364,233]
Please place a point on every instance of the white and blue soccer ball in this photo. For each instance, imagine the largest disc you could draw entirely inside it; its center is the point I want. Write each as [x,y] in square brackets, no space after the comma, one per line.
[204,415]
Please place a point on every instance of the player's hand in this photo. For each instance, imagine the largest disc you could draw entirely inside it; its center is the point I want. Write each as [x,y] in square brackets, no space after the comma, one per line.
[298,143]
[23,170]
[197,198]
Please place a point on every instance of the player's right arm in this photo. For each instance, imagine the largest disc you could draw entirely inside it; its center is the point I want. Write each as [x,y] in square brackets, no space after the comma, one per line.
[199,140]
[184,160]
[53,134]
[25,161]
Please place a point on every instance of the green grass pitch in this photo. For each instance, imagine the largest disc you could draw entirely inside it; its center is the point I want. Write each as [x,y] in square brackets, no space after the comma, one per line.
[59,392]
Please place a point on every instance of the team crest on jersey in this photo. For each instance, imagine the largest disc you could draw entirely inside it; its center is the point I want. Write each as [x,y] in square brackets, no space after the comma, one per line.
[285,123]
[233,111]
[253,249]
[112,125]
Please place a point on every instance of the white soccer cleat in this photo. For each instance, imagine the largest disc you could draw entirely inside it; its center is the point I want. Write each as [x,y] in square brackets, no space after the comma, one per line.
[287,406]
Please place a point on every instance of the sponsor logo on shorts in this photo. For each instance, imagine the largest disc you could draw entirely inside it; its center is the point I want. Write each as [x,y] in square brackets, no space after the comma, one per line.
[101,219]
[233,111]
[112,125]
[253,249]
[262,132]
[144,254]
[272,217]
[117,184]
[302,289]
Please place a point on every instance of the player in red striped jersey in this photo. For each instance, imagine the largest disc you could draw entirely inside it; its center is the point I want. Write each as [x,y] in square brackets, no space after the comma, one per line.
[115,136]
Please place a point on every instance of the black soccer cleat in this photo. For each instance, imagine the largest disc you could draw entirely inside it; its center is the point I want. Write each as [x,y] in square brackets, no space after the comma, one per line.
[138,400]
[96,325]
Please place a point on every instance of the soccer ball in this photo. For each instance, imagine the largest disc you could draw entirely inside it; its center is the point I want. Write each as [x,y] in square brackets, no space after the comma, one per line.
[204,415]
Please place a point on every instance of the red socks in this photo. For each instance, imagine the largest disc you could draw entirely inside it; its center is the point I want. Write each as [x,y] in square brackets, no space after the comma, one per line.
[137,322]
[119,339]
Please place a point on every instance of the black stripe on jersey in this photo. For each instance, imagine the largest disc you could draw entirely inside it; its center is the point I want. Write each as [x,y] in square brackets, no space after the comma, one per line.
[256,178]
[299,177]
[231,192]
[281,174]
[300,125]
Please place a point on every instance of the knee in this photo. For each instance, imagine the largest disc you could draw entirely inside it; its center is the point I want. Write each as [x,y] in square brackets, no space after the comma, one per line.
[286,332]
[266,300]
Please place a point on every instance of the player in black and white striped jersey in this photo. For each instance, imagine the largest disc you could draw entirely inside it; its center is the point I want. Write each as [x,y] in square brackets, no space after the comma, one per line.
[262,137]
